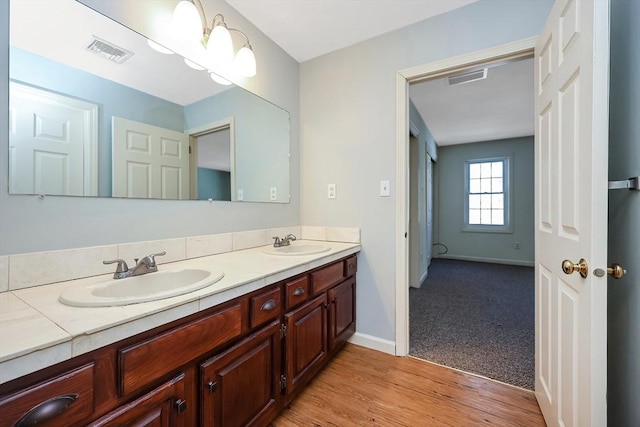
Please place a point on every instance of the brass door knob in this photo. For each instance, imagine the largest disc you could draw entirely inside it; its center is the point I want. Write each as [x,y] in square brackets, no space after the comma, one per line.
[616,271]
[581,267]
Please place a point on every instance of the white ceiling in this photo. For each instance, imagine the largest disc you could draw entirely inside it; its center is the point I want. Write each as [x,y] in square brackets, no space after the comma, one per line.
[61,30]
[498,107]
[306,29]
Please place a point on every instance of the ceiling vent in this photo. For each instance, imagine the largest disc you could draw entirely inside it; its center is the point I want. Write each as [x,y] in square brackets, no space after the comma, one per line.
[472,76]
[108,50]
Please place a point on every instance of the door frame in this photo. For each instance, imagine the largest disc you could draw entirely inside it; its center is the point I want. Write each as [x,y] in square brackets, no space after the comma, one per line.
[508,51]
[227,122]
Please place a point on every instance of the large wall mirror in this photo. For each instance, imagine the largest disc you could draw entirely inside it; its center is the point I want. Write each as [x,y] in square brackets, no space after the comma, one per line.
[94,111]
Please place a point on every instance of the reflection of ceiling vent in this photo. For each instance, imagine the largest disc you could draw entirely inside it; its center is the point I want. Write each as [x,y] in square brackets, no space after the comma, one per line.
[108,50]
[468,77]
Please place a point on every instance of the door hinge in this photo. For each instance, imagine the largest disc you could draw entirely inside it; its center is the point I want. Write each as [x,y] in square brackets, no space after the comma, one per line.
[189,149]
[283,383]
[283,330]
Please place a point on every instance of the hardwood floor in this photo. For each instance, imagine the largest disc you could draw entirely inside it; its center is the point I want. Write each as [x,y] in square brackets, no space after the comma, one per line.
[363,387]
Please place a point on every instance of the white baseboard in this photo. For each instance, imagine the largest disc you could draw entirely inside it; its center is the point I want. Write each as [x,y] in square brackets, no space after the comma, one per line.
[417,285]
[490,260]
[374,343]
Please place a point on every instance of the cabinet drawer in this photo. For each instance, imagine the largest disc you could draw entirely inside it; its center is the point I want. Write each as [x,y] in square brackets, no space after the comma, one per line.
[64,400]
[296,291]
[265,306]
[326,277]
[350,266]
[162,406]
[142,364]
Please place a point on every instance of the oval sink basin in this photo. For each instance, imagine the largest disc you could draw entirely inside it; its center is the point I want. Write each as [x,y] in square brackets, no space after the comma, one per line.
[293,249]
[147,287]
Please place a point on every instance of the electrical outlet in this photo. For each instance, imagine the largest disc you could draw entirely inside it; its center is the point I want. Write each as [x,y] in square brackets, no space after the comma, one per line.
[240,194]
[274,193]
[516,245]
[331,191]
[385,189]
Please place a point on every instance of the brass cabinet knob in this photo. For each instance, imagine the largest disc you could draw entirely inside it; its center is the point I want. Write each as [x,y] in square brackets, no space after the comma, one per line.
[581,267]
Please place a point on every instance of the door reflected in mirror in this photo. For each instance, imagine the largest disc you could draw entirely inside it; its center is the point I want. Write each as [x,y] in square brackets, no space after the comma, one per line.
[143,127]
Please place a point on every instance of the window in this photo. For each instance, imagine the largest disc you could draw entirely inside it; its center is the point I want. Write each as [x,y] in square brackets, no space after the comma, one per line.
[487,195]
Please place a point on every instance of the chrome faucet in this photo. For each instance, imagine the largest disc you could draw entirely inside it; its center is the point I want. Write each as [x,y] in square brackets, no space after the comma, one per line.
[285,241]
[145,265]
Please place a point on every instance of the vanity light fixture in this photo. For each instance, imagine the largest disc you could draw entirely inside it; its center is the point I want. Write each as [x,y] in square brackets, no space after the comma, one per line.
[213,46]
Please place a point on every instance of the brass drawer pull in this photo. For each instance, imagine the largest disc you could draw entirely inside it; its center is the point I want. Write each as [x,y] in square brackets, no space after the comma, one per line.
[269,305]
[47,410]
[299,291]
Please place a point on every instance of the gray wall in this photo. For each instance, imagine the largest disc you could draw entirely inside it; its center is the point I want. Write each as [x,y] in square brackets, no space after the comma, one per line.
[28,224]
[348,105]
[624,217]
[478,246]
[419,245]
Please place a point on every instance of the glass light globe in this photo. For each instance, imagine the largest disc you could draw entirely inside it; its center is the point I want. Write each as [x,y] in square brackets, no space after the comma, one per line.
[220,46]
[245,62]
[194,65]
[186,24]
[216,78]
[158,47]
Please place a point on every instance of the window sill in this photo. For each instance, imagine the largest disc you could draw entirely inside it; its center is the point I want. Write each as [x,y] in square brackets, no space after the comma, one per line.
[505,229]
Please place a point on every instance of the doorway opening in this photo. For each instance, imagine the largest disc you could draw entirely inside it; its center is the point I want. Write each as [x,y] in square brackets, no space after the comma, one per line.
[212,161]
[468,62]
[475,311]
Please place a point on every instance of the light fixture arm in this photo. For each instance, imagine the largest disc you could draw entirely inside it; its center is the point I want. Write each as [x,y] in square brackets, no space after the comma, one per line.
[219,20]
[243,35]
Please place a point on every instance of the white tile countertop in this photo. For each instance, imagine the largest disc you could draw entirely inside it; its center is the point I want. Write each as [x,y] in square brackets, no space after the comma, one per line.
[37,331]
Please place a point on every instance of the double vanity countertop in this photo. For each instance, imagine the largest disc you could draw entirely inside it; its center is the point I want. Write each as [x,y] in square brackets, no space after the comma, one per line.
[36,330]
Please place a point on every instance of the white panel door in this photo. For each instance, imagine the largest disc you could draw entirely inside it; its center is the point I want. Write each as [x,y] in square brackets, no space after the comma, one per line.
[571,84]
[51,139]
[149,162]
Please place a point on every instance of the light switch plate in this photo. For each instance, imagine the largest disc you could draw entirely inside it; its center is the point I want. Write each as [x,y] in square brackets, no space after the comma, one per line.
[385,189]
[331,191]
[274,193]
[240,194]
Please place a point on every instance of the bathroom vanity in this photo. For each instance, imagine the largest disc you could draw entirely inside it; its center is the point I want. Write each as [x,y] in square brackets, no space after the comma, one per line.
[235,363]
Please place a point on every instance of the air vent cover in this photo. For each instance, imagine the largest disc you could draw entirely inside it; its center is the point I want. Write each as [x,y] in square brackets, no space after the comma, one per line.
[468,77]
[108,50]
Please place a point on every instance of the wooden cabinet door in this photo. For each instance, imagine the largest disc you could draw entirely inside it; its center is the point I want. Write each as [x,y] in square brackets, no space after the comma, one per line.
[306,342]
[342,313]
[241,386]
[161,407]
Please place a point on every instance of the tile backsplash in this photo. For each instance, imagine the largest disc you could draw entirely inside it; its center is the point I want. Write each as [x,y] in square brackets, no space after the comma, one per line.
[40,268]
